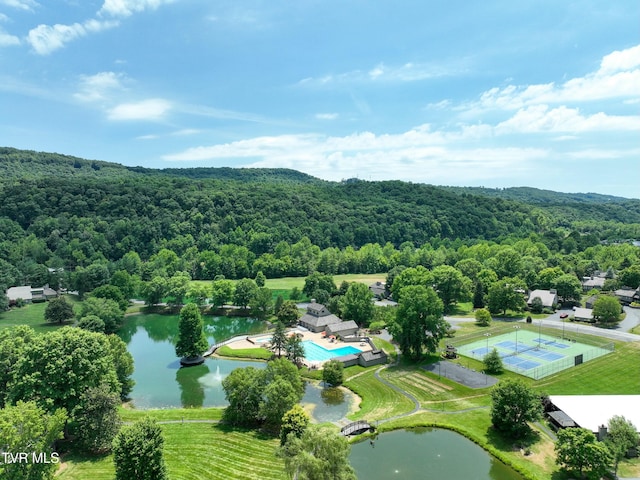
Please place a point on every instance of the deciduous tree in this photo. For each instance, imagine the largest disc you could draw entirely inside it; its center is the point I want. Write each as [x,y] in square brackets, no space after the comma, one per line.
[318,454]
[333,373]
[261,303]
[606,309]
[138,452]
[506,294]
[356,304]
[58,310]
[622,435]
[578,450]
[513,404]
[96,420]
[483,317]
[419,324]
[104,308]
[222,292]
[450,285]
[25,427]
[244,292]
[294,422]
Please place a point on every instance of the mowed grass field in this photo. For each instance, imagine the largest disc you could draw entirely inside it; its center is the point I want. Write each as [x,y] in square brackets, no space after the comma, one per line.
[31,315]
[196,451]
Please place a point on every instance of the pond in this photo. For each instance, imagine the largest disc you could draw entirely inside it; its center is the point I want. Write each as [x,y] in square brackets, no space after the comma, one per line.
[428,454]
[161,383]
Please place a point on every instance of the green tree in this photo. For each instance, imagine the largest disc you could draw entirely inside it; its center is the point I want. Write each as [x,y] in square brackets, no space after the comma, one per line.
[281,368]
[112,292]
[92,323]
[222,292]
[357,304]
[288,313]
[319,454]
[58,310]
[154,290]
[278,303]
[294,422]
[483,317]
[630,276]
[478,296]
[260,279]
[333,373]
[177,287]
[199,292]
[25,427]
[513,404]
[96,419]
[12,344]
[568,287]
[493,362]
[548,276]
[127,283]
[413,276]
[536,305]
[578,450]
[622,435]
[123,363]
[507,293]
[55,369]
[318,281]
[246,290]
[192,341]
[279,338]
[419,324]
[138,452]
[606,309]
[450,285]
[295,349]
[261,303]
[278,397]
[243,389]
[105,309]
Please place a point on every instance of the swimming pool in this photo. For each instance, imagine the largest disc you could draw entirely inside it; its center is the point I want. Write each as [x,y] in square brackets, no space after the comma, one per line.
[315,353]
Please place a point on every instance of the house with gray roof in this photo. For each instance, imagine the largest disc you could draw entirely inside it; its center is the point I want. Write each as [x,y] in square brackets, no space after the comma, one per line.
[589,283]
[549,298]
[627,295]
[379,290]
[342,329]
[583,314]
[30,294]
[317,318]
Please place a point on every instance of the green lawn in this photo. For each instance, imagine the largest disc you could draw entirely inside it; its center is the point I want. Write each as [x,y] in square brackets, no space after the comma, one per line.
[31,314]
[196,451]
[255,353]
[378,401]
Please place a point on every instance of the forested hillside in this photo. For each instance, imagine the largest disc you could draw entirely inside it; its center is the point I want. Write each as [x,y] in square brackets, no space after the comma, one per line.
[61,211]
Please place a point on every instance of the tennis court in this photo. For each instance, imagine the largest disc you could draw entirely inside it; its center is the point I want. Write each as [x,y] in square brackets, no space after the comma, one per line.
[532,353]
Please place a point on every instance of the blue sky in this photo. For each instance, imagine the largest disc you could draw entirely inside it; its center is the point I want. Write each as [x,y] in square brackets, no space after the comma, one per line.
[495,93]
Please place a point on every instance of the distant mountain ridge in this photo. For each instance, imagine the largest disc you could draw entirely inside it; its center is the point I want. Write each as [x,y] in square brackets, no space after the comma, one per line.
[539,196]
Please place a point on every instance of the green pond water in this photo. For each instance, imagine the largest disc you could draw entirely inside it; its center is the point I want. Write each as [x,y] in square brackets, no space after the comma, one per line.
[161,383]
[427,454]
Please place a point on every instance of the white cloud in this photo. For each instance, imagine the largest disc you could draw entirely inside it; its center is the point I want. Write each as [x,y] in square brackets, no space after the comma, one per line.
[327,116]
[27,5]
[417,155]
[99,87]
[407,72]
[8,40]
[126,8]
[46,39]
[540,118]
[617,77]
[151,109]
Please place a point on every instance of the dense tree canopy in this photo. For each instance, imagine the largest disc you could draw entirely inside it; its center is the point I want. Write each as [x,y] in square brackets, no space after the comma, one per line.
[138,452]
[577,449]
[419,324]
[513,405]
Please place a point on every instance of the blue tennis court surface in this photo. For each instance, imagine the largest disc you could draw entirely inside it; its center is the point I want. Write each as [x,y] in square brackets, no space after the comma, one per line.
[551,343]
[520,362]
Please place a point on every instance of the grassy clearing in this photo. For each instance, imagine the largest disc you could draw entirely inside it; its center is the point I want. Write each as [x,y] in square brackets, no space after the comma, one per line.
[378,400]
[173,414]
[32,314]
[255,353]
[196,451]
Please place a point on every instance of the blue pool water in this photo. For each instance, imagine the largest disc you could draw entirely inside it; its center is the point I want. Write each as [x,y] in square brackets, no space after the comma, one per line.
[315,353]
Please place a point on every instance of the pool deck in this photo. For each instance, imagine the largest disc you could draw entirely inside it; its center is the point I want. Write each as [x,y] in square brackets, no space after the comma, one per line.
[306,335]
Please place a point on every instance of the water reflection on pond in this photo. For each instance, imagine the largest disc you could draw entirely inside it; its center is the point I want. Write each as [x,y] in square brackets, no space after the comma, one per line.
[160,382]
[328,404]
[427,454]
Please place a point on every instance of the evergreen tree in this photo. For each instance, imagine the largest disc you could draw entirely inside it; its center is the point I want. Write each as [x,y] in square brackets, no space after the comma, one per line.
[493,362]
[279,338]
[192,341]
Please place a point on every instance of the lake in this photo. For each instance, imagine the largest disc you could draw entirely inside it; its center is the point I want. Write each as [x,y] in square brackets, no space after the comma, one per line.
[427,454]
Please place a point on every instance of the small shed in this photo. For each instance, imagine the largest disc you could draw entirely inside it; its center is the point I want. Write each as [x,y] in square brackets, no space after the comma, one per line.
[374,357]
